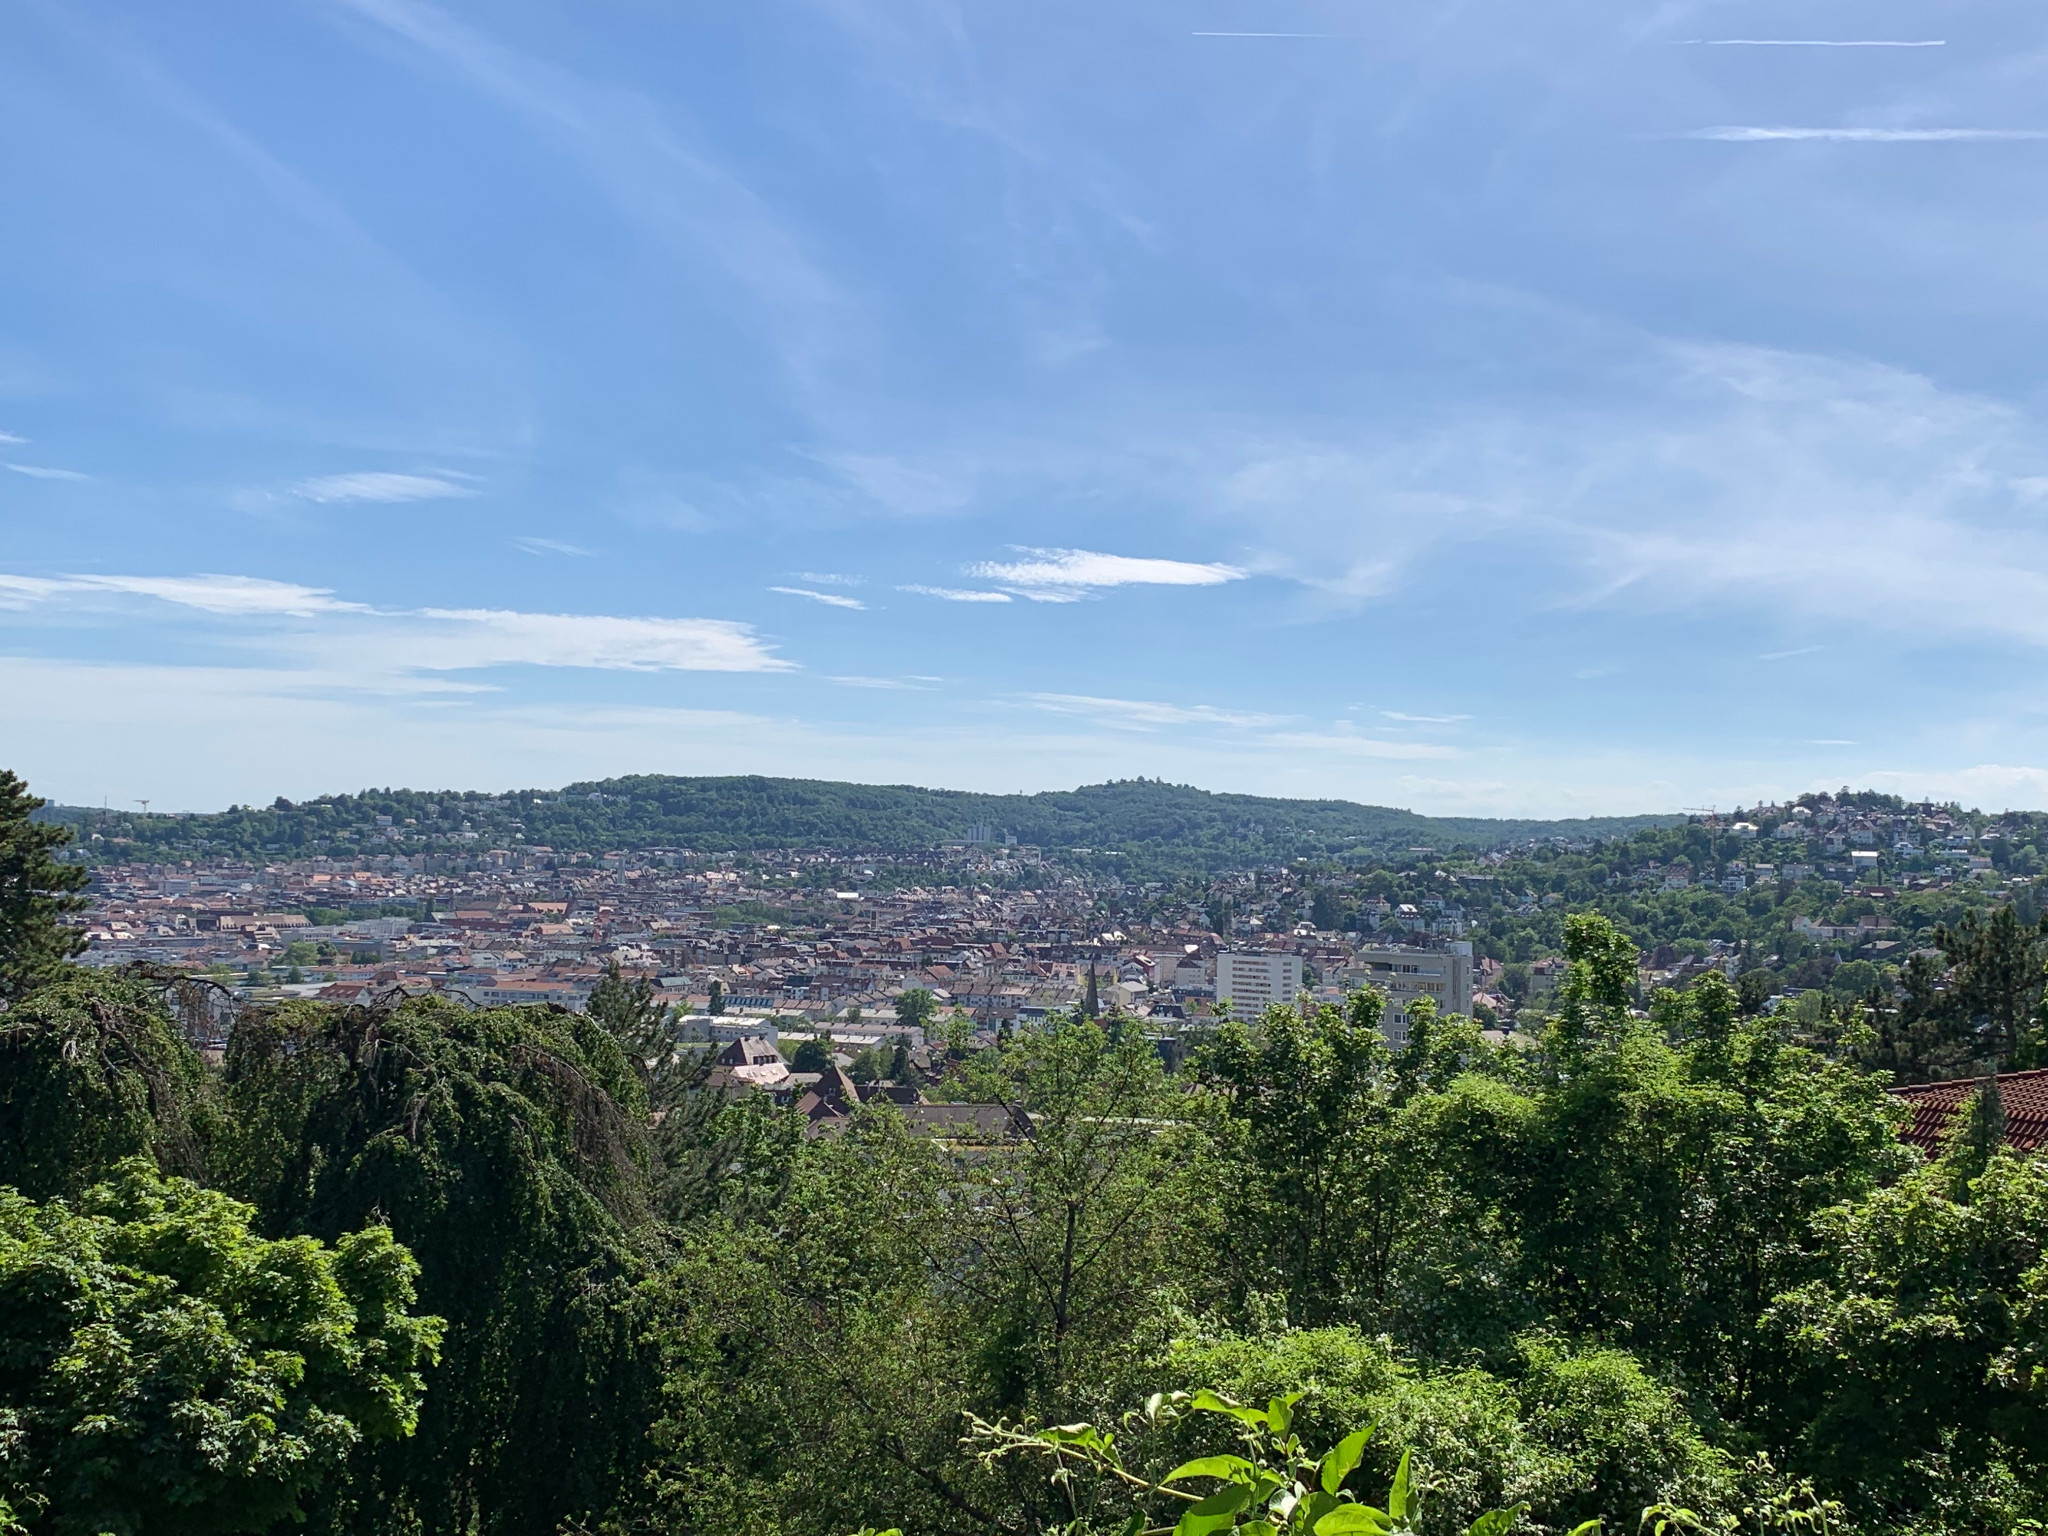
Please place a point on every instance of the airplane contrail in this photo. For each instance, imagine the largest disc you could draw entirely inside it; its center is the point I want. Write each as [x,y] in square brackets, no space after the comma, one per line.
[1812,42]
[1746,135]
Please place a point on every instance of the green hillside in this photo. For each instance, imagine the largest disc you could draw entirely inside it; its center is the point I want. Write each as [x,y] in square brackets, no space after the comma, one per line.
[1153,824]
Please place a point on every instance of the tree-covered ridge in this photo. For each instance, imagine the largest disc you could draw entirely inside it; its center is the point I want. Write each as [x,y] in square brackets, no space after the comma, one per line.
[1154,824]
[1789,912]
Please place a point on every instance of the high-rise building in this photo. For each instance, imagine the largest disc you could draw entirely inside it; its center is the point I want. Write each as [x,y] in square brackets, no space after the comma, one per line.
[1404,974]
[1251,983]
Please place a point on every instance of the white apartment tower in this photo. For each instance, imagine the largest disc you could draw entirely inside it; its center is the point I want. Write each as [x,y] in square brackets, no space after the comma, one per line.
[1253,982]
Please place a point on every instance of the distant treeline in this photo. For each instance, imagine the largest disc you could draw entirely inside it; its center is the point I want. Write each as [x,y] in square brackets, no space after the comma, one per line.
[1146,825]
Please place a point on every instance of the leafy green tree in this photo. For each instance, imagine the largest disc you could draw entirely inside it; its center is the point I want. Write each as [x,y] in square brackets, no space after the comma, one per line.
[1999,969]
[1753,991]
[717,1003]
[36,893]
[1078,1225]
[684,1148]
[166,1369]
[916,1007]
[1566,1434]
[1310,1098]
[1921,1349]
[1594,999]
[1981,1002]
[1326,911]
[92,1071]
[1659,1197]
[812,1055]
[830,1330]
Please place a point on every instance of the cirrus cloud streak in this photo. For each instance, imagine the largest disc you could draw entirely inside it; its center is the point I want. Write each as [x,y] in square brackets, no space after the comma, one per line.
[1063,575]
[395,642]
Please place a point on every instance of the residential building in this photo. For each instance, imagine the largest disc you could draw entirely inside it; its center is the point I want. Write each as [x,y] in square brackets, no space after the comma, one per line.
[1253,982]
[1404,974]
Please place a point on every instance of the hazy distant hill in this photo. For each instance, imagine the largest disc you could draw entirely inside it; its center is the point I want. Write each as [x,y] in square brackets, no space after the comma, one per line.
[1157,825]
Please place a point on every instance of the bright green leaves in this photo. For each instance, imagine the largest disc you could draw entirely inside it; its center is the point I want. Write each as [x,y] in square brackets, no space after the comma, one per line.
[1402,1493]
[1353,1520]
[1274,1489]
[1082,1436]
[169,1369]
[1344,1458]
[1208,1466]
[1218,1512]
[1277,1416]
[1280,1411]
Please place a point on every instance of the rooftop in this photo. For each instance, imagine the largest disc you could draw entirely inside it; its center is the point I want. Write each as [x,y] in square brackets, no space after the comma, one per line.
[1935,1105]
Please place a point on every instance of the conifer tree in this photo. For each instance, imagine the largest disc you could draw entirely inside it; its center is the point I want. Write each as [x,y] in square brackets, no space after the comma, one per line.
[36,893]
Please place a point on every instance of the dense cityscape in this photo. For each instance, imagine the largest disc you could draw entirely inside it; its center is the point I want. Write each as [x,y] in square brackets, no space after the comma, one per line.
[825,940]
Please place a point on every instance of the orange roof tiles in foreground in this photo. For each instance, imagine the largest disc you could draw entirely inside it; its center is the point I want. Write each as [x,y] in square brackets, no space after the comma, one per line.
[1935,1105]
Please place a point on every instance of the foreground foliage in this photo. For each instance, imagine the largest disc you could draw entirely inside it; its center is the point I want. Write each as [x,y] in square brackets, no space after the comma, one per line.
[1675,1263]
[166,1369]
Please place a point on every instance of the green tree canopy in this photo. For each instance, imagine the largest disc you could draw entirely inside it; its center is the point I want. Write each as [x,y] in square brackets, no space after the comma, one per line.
[166,1370]
[915,1007]
[507,1149]
[92,1070]
[1921,1349]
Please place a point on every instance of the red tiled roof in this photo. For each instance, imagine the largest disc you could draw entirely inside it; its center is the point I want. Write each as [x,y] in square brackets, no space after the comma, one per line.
[2025,1095]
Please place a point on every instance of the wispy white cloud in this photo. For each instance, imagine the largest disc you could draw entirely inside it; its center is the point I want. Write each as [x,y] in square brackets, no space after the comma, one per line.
[1062,575]
[904,486]
[1146,712]
[892,684]
[830,599]
[232,596]
[394,642]
[534,546]
[958,594]
[828,579]
[12,438]
[1757,135]
[464,638]
[44,472]
[1804,650]
[379,485]
[1344,743]
[1395,714]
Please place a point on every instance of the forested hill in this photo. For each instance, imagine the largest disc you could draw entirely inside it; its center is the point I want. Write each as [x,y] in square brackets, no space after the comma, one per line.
[1158,825]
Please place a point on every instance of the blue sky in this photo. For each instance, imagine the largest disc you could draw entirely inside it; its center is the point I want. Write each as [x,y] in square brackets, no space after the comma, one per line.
[1478,407]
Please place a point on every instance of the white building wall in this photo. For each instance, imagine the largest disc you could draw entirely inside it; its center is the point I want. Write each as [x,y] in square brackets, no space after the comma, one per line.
[1404,974]
[1254,982]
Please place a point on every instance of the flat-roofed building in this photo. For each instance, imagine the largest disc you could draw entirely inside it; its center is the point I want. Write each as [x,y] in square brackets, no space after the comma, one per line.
[1404,974]
[1255,981]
